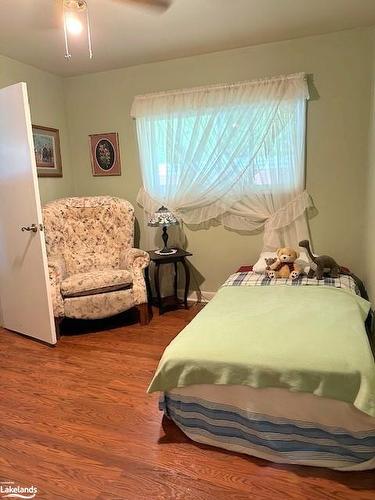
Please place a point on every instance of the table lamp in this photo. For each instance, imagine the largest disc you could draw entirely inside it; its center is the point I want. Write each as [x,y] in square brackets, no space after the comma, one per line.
[163,218]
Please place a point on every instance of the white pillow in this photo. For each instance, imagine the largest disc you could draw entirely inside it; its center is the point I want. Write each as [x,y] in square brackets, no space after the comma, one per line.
[260,266]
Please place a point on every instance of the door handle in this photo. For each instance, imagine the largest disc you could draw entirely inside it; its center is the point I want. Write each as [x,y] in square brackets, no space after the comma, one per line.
[33,228]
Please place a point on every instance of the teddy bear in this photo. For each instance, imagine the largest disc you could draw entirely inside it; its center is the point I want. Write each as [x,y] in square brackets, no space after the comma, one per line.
[285,266]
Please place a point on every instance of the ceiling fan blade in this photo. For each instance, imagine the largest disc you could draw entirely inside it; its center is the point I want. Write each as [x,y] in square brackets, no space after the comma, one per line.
[156,4]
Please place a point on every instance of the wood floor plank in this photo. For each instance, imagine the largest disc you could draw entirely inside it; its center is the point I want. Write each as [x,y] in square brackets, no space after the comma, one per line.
[75,421]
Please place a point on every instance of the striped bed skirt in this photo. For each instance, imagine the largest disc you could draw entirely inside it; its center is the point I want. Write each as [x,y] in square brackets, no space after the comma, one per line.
[275,424]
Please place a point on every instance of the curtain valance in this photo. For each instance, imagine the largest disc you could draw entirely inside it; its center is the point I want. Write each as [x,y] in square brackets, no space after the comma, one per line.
[174,101]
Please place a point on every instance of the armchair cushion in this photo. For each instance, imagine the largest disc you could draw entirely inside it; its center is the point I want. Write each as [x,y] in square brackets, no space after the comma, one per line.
[89,233]
[94,282]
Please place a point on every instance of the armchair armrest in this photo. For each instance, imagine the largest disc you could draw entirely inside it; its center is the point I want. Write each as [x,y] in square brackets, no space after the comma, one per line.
[57,272]
[134,259]
[56,266]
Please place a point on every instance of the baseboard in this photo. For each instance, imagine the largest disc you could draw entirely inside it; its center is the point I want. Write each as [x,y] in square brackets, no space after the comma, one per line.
[201,296]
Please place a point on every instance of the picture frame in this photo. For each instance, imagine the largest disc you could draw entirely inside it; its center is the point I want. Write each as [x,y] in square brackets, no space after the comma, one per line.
[47,151]
[105,154]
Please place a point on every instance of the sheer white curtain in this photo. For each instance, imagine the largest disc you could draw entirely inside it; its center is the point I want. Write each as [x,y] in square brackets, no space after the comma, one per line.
[233,153]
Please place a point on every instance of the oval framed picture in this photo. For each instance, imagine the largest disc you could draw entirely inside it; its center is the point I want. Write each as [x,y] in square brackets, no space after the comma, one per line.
[105,154]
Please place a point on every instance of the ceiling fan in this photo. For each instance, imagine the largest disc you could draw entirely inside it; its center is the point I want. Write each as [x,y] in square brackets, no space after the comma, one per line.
[73,10]
[159,4]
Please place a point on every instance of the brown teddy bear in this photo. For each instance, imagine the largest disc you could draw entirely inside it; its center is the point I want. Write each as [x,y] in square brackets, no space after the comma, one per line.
[285,266]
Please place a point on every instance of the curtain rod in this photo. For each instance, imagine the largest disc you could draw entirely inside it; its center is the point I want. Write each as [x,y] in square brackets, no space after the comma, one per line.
[294,76]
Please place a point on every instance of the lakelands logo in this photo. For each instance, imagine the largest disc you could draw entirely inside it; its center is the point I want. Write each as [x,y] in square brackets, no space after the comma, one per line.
[8,489]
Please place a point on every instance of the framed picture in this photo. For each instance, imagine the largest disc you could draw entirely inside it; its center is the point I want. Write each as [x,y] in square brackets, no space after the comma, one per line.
[105,154]
[47,151]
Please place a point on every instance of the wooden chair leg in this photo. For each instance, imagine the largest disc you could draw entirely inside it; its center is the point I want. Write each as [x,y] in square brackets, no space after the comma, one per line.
[143,314]
[58,322]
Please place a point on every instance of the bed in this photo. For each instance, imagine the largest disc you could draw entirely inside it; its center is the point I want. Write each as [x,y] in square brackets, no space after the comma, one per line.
[277,369]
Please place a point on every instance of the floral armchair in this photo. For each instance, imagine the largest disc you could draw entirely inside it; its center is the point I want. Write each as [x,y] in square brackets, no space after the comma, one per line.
[94,271]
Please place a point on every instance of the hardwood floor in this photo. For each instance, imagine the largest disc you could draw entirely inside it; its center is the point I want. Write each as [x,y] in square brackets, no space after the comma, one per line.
[76,422]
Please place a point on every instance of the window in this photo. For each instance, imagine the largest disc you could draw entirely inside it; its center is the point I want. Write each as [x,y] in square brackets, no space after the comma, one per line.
[214,152]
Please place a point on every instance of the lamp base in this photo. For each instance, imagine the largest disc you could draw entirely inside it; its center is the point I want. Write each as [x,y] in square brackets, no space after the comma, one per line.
[168,251]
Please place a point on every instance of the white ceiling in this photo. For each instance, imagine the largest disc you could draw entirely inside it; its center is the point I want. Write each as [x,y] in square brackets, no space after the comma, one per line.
[125,35]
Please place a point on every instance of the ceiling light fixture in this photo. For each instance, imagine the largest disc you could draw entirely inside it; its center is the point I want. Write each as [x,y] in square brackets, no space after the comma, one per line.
[73,25]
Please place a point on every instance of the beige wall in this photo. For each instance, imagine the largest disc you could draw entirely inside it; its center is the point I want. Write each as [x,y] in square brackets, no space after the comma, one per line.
[337,136]
[47,103]
[370,212]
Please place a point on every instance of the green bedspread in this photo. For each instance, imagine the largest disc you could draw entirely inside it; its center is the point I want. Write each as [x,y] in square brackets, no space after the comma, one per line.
[309,339]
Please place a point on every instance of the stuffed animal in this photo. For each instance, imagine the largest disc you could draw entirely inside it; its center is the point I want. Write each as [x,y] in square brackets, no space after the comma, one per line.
[285,266]
[324,263]
[269,262]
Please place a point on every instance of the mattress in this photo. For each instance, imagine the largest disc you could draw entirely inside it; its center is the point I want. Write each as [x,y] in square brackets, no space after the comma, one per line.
[275,424]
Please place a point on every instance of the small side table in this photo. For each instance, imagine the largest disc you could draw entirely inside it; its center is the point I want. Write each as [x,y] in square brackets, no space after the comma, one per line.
[167,303]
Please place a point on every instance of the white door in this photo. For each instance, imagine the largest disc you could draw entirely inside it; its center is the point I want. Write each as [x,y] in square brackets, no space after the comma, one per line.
[25,300]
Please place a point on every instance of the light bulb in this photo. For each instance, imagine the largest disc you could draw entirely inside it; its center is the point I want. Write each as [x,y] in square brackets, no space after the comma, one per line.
[73,25]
